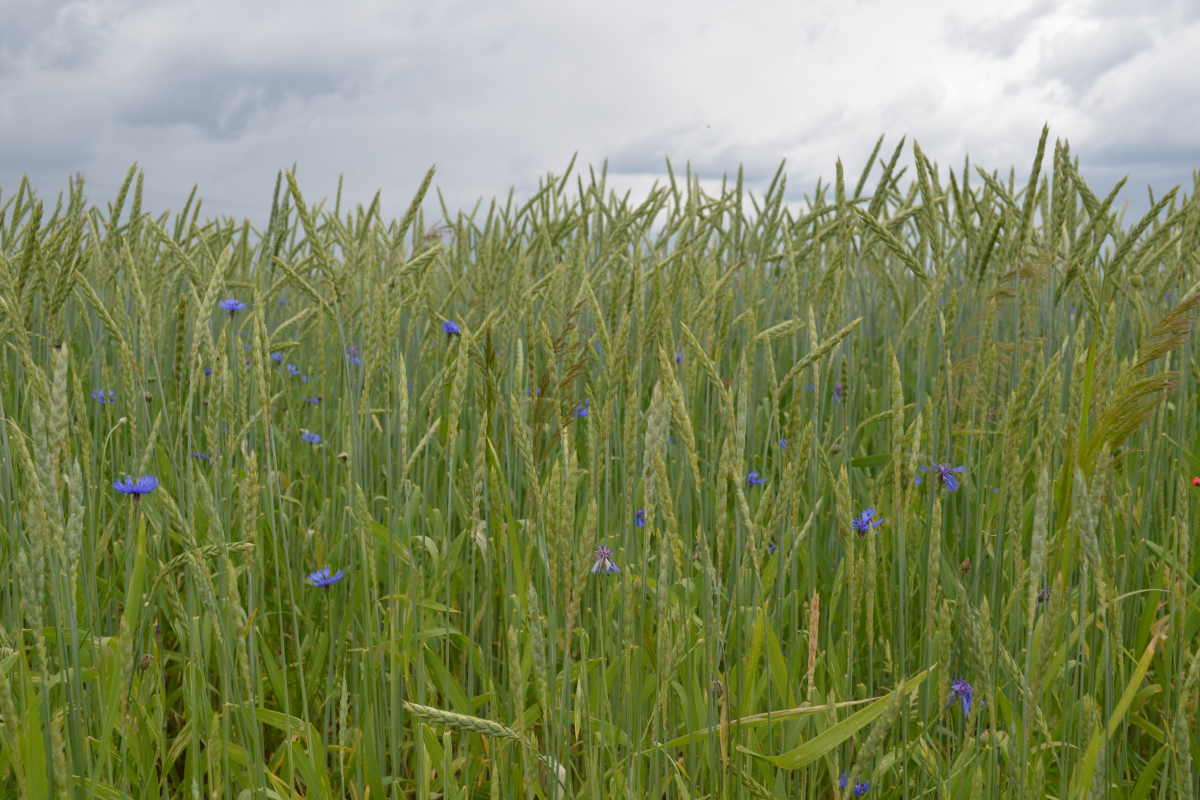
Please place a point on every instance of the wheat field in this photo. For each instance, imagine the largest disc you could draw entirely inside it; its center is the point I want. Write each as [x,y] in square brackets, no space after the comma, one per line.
[884,493]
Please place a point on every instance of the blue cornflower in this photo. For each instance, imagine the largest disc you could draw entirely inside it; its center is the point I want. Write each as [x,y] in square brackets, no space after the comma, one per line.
[352,355]
[837,393]
[809,388]
[312,400]
[310,437]
[293,369]
[679,357]
[451,328]
[581,410]
[961,690]
[771,548]
[783,443]
[322,578]
[232,305]
[860,787]
[304,379]
[945,475]
[604,561]
[866,520]
[136,488]
[639,518]
[754,479]
[201,456]
[208,370]
[277,358]
[110,397]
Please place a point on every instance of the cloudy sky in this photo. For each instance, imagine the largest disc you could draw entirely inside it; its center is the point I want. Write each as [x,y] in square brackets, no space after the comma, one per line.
[223,93]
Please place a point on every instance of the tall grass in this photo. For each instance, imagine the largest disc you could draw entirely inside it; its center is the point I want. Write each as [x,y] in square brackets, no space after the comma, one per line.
[713,386]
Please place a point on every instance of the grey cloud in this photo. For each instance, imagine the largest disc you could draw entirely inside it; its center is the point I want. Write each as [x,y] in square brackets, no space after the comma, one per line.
[1079,58]
[998,36]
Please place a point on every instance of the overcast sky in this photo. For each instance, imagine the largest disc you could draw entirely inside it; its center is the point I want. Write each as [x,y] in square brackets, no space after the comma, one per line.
[223,94]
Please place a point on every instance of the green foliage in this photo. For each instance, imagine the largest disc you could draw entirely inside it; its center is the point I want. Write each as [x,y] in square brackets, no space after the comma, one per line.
[711,386]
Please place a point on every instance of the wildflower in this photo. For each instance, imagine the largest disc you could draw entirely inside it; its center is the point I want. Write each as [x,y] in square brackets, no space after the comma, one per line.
[1044,593]
[293,369]
[136,488]
[310,437]
[322,578]
[860,787]
[754,479]
[809,388]
[208,370]
[866,520]
[679,357]
[965,566]
[232,305]
[945,474]
[961,690]
[452,328]
[783,443]
[837,393]
[145,662]
[1196,481]
[352,355]
[304,379]
[201,456]
[581,410]
[604,561]
[639,518]
[771,548]
[312,400]
[99,394]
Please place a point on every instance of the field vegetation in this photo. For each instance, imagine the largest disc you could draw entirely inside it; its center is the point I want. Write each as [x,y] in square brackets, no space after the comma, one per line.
[887,493]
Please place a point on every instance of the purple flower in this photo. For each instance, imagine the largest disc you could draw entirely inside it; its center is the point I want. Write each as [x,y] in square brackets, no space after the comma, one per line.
[201,456]
[277,357]
[809,388]
[99,394]
[754,479]
[581,410]
[322,578]
[866,520]
[961,690]
[604,561]
[783,443]
[771,548]
[837,393]
[352,355]
[136,488]
[452,328]
[945,475]
[860,787]
[311,400]
[639,518]
[310,437]
[293,369]
[679,357]
[208,370]
[232,305]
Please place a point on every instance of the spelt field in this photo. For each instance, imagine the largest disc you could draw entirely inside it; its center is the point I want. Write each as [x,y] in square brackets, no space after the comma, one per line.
[605,497]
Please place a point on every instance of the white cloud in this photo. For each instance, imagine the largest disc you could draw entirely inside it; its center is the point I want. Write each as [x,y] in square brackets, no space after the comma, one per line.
[225,93]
